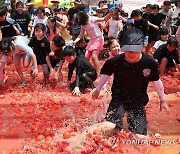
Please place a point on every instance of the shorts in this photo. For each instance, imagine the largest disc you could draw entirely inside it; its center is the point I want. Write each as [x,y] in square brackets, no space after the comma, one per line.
[136,119]
[94,48]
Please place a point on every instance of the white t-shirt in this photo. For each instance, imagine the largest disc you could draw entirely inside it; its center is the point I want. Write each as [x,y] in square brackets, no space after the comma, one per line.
[113,28]
[64,18]
[176,12]
[159,43]
[21,46]
[39,20]
[92,29]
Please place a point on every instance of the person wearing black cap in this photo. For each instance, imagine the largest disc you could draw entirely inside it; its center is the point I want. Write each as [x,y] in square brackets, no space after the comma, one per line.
[55,4]
[132,70]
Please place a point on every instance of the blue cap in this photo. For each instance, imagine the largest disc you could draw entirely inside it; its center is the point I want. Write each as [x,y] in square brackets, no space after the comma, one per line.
[130,21]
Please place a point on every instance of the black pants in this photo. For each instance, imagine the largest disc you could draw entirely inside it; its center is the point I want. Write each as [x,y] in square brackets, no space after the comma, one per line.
[85,80]
[136,119]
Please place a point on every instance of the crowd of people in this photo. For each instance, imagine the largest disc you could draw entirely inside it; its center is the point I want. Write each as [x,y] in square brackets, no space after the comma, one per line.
[141,45]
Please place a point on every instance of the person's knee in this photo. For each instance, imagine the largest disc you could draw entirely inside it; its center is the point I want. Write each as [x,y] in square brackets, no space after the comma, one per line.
[46,74]
[94,57]
[164,61]
[45,71]
[2,66]
[172,69]
[26,63]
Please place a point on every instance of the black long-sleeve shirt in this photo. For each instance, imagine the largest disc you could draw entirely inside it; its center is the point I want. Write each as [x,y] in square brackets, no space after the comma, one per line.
[82,66]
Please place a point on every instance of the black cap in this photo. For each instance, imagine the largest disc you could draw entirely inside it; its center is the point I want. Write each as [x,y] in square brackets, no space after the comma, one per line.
[132,40]
[77,1]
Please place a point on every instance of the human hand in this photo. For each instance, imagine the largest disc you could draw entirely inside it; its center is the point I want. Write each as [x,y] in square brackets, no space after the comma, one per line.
[164,25]
[74,43]
[95,94]
[163,105]
[111,11]
[52,71]
[76,91]
[35,71]
[51,53]
[156,27]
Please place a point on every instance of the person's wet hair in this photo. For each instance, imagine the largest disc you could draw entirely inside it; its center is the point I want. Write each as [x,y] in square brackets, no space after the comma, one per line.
[136,13]
[81,7]
[69,51]
[58,41]
[164,31]
[40,26]
[19,3]
[83,17]
[52,20]
[149,6]
[155,6]
[173,41]
[40,9]
[3,10]
[6,45]
[111,40]
[167,3]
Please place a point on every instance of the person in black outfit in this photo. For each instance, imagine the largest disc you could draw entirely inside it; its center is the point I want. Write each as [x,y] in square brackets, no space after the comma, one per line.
[157,19]
[140,23]
[148,10]
[85,72]
[23,18]
[12,8]
[81,47]
[166,54]
[41,46]
[55,58]
[9,27]
[132,70]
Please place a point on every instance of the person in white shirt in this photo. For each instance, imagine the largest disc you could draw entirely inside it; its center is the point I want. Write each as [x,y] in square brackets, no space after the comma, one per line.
[40,18]
[164,34]
[14,49]
[114,25]
[177,9]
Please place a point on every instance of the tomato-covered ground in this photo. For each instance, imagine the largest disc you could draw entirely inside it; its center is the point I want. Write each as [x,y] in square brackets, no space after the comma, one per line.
[48,119]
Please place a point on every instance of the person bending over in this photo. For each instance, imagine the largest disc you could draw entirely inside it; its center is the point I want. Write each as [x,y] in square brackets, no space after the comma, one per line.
[85,72]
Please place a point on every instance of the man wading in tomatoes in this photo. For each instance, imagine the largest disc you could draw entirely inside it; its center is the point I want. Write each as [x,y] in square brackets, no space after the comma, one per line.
[132,71]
